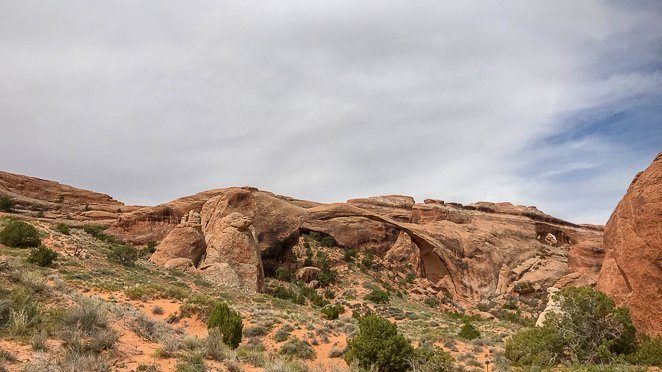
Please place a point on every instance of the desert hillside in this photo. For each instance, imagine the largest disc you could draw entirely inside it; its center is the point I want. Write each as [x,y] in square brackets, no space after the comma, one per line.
[88,283]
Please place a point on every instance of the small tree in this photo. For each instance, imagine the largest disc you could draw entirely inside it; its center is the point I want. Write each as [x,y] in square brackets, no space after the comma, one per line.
[228,322]
[587,329]
[331,312]
[540,346]
[6,204]
[377,296]
[469,331]
[42,256]
[123,254]
[591,326]
[379,345]
[19,234]
[62,228]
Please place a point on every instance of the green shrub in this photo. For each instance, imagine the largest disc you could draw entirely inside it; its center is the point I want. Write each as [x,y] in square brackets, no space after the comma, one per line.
[19,234]
[331,312]
[429,358]
[283,333]
[469,331]
[326,277]
[540,346]
[284,274]
[368,260]
[97,231]
[6,204]
[42,256]
[649,352]
[228,322]
[524,287]
[514,317]
[193,361]
[510,305]
[588,330]
[62,228]
[349,254]
[123,254]
[431,301]
[215,348]
[308,261]
[287,294]
[377,296]
[295,348]
[379,345]
[313,296]
[328,242]
[151,246]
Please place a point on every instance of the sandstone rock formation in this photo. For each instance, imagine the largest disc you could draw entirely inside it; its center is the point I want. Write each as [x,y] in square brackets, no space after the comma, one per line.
[184,242]
[147,224]
[632,269]
[239,235]
[232,247]
[464,252]
[551,307]
[57,201]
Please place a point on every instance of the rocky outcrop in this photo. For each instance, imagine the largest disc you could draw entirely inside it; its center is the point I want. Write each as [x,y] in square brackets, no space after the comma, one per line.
[53,200]
[185,242]
[233,253]
[632,270]
[467,252]
[404,254]
[397,207]
[551,307]
[147,224]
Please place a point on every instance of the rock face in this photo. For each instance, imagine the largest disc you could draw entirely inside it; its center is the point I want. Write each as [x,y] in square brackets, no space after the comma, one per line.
[233,253]
[184,242]
[239,235]
[57,201]
[147,224]
[464,252]
[551,307]
[632,269]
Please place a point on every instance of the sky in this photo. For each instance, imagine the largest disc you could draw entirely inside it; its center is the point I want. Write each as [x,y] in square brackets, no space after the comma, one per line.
[556,104]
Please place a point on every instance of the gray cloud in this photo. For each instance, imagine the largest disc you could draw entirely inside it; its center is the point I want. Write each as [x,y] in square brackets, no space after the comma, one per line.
[321,100]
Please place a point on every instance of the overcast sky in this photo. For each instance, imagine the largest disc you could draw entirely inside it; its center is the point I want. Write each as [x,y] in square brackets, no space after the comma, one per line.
[550,103]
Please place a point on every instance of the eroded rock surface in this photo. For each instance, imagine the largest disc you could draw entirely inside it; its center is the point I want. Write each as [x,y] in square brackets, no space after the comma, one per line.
[632,269]
[185,241]
[465,252]
[232,246]
[53,200]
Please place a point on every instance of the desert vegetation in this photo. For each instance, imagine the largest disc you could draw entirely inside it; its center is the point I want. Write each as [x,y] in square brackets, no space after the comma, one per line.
[113,310]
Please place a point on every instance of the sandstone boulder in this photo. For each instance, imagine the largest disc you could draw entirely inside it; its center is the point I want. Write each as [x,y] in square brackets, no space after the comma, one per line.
[184,241]
[632,270]
[232,246]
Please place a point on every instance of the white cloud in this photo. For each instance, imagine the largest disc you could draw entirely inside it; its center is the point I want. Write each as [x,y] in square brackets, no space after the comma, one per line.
[320,100]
